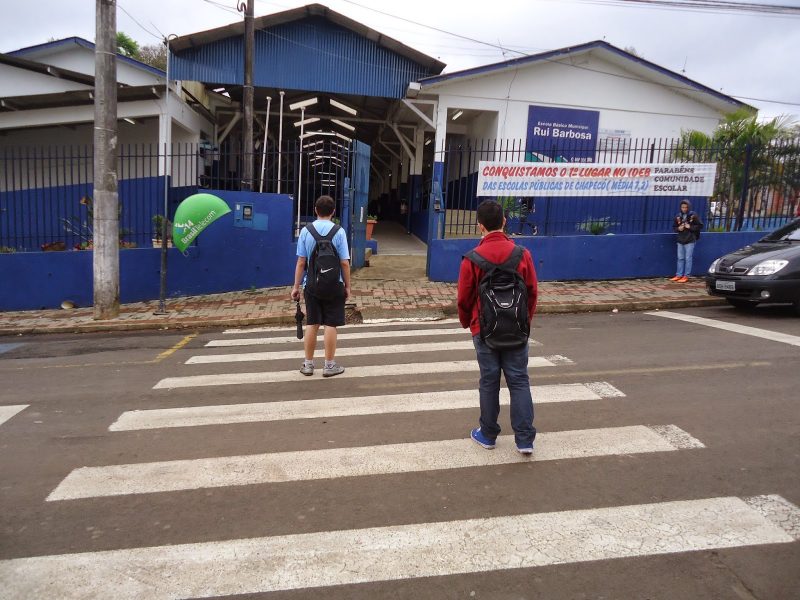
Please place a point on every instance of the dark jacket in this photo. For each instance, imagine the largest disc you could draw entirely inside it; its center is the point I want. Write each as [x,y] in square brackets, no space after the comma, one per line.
[496,248]
[692,233]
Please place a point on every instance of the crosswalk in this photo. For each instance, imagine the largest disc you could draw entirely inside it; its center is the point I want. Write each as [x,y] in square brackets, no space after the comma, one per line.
[433,358]
[6,412]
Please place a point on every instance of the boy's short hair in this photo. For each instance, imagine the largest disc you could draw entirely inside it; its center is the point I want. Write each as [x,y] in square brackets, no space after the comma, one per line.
[324,206]
[490,215]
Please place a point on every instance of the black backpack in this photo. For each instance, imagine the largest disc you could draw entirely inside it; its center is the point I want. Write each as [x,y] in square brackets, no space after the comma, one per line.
[503,302]
[324,266]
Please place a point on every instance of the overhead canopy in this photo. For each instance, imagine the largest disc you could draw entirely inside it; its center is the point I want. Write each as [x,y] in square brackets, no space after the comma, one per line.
[310,48]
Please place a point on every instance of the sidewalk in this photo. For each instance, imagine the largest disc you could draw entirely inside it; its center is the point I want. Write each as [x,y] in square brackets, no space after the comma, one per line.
[372,299]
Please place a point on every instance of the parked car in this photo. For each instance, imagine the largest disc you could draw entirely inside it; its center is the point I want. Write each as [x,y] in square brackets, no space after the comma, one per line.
[767,271]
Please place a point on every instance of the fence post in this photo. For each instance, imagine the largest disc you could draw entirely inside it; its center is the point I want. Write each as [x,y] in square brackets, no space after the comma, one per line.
[745,186]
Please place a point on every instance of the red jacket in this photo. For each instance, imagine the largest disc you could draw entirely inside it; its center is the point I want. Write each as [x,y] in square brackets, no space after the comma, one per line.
[495,247]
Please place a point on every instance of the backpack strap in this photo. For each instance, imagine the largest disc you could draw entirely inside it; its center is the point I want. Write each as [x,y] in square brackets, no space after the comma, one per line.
[512,262]
[319,237]
[483,264]
[334,230]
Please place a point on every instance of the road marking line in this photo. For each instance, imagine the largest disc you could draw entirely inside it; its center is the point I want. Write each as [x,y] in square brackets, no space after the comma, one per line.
[175,348]
[193,416]
[774,336]
[9,347]
[6,412]
[454,366]
[392,323]
[371,335]
[651,370]
[306,465]
[392,553]
[352,351]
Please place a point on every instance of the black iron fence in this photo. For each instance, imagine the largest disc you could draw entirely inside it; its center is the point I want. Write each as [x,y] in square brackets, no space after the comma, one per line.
[756,187]
[46,193]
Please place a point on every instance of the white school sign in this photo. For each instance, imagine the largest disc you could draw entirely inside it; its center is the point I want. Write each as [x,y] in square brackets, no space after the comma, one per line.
[595,179]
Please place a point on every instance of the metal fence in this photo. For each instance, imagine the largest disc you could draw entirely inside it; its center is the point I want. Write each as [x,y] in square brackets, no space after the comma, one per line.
[756,188]
[46,193]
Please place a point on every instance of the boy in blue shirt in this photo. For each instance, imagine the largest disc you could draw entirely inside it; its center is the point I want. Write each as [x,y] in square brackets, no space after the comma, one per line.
[328,312]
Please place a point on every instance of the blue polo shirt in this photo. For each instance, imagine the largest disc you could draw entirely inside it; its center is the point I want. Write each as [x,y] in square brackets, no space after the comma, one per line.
[306,241]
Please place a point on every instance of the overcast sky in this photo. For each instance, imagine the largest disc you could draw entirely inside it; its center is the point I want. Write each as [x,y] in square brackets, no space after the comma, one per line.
[751,57]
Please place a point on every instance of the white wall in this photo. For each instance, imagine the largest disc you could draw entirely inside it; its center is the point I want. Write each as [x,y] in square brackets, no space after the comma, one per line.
[484,126]
[62,155]
[80,59]
[22,82]
[645,109]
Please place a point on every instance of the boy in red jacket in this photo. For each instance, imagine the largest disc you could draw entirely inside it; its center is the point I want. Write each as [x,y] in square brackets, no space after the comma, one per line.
[496,247]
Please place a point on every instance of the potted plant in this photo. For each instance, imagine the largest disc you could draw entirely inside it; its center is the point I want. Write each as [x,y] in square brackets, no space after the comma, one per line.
[371,220]
[158,227]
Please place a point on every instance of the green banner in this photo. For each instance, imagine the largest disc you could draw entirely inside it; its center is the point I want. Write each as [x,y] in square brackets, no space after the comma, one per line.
[194,214]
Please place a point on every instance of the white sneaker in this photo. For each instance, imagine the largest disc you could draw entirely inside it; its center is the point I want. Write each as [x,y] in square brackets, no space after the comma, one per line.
[334,369]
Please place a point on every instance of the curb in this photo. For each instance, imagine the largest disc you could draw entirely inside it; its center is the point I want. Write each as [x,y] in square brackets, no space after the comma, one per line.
[364,314]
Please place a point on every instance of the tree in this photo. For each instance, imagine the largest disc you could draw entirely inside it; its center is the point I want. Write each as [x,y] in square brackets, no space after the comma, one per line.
[747,152]
[126,45]
[155,56]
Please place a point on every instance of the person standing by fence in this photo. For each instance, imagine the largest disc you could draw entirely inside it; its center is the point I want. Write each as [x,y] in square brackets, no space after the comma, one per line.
[687,225]
[497,294]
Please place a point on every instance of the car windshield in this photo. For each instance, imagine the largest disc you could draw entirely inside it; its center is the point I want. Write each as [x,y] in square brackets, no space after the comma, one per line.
[789,232]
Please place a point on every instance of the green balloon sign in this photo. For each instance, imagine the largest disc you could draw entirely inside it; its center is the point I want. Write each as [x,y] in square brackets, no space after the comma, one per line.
[194,214]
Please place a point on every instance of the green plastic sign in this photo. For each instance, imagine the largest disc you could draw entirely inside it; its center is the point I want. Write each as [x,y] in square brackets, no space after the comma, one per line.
[194,214]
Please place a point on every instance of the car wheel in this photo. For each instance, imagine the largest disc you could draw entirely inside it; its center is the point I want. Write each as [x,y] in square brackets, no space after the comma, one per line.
[741,304]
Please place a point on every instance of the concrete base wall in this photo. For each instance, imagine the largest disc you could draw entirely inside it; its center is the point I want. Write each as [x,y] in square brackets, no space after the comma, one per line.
[225,258]
[589,257]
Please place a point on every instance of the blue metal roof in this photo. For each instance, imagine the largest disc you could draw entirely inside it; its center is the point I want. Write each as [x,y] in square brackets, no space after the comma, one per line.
[556,54]
[79,41]
[309,52]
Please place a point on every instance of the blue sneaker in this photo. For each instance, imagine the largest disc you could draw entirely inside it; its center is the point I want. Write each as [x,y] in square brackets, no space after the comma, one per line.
[526,449]
[481,439]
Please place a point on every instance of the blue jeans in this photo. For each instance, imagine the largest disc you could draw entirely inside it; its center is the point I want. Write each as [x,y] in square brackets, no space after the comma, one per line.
[514,365]
[685,254]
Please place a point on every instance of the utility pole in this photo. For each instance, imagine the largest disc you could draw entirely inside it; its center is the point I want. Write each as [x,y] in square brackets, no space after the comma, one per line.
[162,295]
[247,135]
[106,202]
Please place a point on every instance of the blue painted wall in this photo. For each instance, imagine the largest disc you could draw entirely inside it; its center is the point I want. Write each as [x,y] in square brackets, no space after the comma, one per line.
[224,258]
[597,257]
[34,216]
[308,54]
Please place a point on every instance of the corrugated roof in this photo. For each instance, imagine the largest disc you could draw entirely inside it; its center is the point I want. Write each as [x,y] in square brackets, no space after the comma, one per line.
[310,48]
[296,14]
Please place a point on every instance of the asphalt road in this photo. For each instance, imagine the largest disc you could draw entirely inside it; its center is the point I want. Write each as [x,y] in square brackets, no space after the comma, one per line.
[585,518]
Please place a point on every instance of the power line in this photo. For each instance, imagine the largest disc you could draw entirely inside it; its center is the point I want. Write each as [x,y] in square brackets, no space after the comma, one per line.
[463,37]
[122,8]
[703,6]
[223,7]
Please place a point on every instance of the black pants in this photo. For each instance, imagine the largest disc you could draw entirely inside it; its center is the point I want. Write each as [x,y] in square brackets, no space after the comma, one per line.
[329,312]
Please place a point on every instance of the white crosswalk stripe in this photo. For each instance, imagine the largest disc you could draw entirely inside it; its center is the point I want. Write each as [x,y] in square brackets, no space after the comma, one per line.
[305,465]
[309,560]
[452,366]
[394,323]
[6,412]
[357,351]
[363,335]
[344,407]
